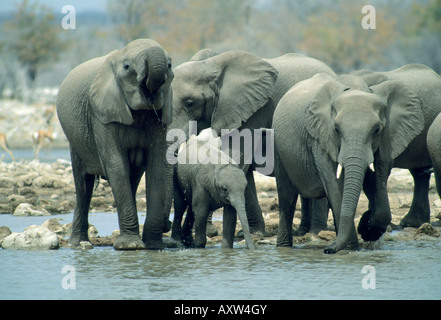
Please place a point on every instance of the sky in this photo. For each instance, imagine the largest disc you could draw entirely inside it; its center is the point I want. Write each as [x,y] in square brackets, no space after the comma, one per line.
[80,5]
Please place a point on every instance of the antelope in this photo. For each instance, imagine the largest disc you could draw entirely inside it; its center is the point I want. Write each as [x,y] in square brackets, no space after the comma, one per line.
[38,138]
[4,145]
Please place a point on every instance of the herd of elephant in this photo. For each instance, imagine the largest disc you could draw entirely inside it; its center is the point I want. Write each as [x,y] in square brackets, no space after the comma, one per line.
[334,136]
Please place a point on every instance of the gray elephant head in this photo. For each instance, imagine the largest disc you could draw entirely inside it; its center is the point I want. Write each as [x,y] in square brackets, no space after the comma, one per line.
[387,119]
[354,127]
[221,91]
[135,78]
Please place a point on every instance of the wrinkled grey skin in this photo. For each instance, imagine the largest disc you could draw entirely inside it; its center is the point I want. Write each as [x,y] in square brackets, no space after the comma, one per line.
[237,90]
[426,85]
[321,124]
[434,147]
[206,187]
[114,111]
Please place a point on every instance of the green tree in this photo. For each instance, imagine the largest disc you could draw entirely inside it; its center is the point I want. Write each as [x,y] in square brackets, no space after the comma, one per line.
[33,37]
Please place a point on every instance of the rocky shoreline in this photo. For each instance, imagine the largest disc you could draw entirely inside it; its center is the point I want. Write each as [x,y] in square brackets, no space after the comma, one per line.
[30,188]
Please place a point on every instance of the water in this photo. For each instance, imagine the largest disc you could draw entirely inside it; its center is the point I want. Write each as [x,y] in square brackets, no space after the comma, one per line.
[45,155]
[401,270]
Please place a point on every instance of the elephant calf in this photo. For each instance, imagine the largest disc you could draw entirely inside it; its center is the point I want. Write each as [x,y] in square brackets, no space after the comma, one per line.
[204,182]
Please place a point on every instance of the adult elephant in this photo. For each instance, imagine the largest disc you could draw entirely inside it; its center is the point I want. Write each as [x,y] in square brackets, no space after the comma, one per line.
[327,135]
[426,85]
[237,90]
[114,111]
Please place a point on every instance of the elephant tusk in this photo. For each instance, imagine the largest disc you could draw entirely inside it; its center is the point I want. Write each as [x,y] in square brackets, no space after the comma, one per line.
[371,166]
[339,169]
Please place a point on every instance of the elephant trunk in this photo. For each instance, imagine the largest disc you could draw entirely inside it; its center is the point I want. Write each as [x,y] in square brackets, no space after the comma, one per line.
[152,66]
[239,205]
[354,167]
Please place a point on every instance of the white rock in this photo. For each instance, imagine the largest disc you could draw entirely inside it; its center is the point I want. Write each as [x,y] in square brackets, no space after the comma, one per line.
[26,209]
[33,237]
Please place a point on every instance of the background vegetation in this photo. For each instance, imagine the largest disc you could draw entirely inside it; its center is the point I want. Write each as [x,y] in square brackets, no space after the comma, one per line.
[36,51]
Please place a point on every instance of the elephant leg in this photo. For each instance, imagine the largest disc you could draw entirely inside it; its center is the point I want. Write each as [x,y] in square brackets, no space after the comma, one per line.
[229,226]
[374,222]
[419,212]
[159,193]
[252,207]
[211,229]
[84,188]
[180,206]
[187,230]
[200,211]
[305,222]
[319,215]
[287,203]
[314,216]
[121,184]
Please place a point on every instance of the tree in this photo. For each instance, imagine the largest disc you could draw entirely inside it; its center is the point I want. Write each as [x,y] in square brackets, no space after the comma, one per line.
[33,37]
[426,36]
[337,37]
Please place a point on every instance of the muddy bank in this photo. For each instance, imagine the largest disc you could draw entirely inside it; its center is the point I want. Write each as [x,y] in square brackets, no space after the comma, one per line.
[34,188]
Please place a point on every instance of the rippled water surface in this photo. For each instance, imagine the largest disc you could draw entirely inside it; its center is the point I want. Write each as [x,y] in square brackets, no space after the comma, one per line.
[403,270]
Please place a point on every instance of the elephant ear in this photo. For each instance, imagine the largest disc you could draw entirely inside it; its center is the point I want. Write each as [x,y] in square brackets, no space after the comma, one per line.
[320,114]
[245,85]
[404,118]
[106,97]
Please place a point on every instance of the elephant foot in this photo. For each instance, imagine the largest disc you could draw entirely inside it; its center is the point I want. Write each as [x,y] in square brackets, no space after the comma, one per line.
[75,242]
[83,245]
[301,231]
[412,220]
[336,246]
[284,242]
[169,242]
[367,231]
[154,244]
[128,242]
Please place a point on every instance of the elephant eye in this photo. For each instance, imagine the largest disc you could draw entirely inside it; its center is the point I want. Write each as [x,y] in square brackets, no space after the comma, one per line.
[126,66]
[377,131]
[337,130]
[224,189]
[189,104]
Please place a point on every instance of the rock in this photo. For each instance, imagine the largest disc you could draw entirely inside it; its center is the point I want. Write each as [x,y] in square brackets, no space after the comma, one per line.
[26,209]
[16,198]
[4,232]
[33,237]
[327,235]
[6,182]
[54,226]
[49,181]
[92,232]
[404,202]
[427,229]
[437,203]
[86,245]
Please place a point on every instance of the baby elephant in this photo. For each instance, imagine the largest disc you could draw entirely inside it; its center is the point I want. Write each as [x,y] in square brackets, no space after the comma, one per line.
[206,179]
